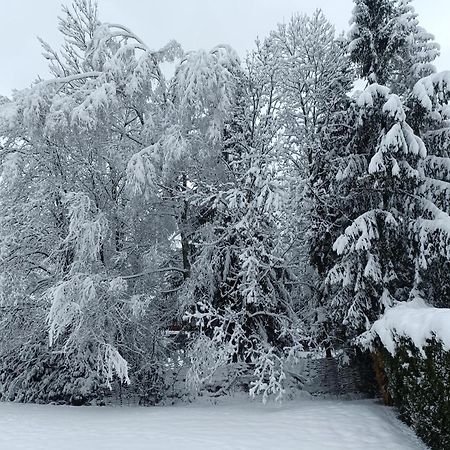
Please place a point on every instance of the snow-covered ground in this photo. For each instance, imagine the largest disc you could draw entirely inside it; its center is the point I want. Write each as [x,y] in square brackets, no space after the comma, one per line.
[303,424]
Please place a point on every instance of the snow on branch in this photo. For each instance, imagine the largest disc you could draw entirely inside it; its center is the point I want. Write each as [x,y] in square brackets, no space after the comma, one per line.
[437,226]
[70,78]
[360,234]
[86,234]
[435,87]
[112,363]
[205,82]
[142,170]
[372,92]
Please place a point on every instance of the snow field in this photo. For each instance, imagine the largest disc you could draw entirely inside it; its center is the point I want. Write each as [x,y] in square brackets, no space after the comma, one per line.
[301,425]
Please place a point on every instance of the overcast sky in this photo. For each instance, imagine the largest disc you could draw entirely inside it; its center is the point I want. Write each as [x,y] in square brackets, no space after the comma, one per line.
[194,23]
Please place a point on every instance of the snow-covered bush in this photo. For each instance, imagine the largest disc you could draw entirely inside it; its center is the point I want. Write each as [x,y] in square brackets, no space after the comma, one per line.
[36,374]
[413,347]
[418,385]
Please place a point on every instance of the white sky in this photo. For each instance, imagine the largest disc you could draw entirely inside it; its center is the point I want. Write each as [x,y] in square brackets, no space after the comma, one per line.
[194,23]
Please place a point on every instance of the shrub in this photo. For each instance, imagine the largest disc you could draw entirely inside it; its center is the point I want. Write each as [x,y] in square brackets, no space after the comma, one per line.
[418,383]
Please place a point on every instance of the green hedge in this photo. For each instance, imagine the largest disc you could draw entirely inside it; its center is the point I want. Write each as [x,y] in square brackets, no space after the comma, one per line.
[419,386]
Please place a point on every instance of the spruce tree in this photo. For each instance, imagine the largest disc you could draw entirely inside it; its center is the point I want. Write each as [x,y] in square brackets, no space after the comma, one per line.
[429,114]
[387,45]
[379,173]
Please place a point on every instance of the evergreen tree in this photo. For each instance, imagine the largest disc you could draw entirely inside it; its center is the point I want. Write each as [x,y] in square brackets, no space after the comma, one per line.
[379,177]
[388,46]
[429,115]
[381,170]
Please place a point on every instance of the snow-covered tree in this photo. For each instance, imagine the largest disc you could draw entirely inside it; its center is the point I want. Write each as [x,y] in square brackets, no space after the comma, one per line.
[223,218]
[381,175]
[184,155]
[388,46]
[429,114]
[313,75]
[72,240]
[310,76]
[238,295]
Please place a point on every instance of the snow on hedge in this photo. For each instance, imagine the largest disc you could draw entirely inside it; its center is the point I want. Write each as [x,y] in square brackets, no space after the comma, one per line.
[414,320]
